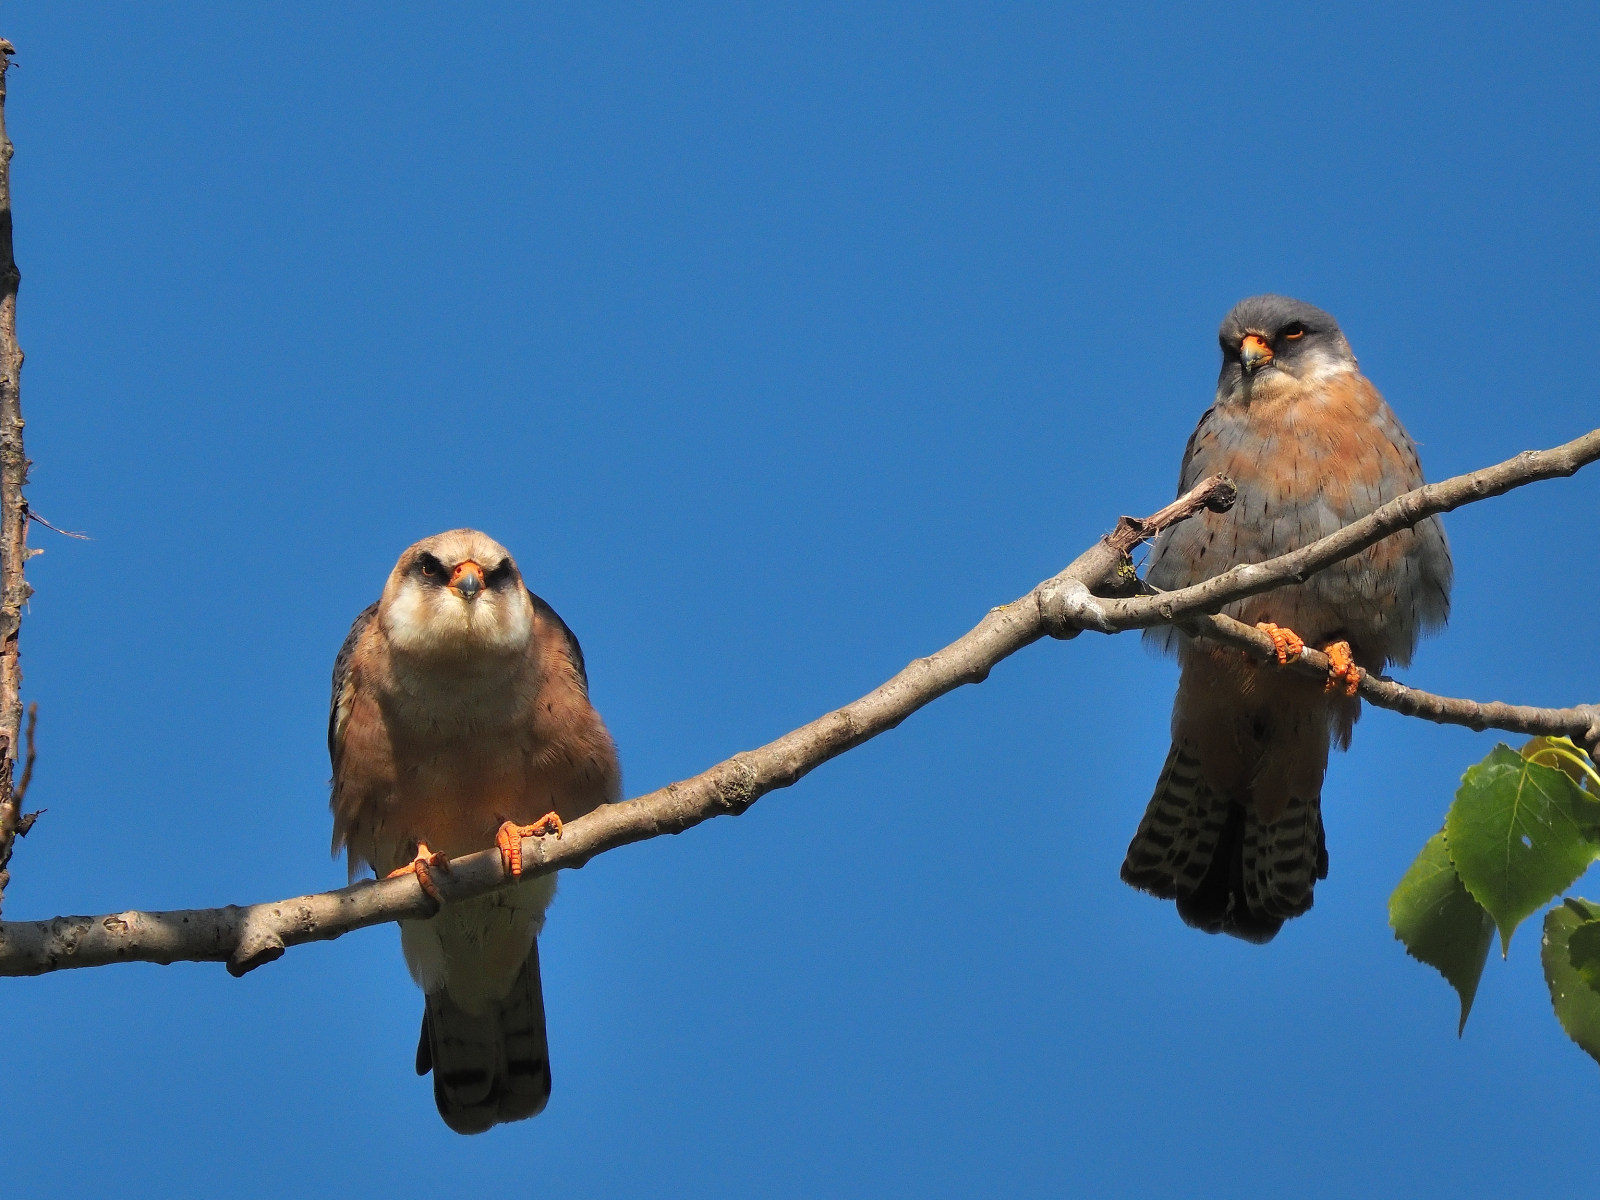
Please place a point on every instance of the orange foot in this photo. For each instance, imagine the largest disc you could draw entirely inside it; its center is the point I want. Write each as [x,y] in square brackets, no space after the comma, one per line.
[420,867]
[1285,641]
[1342,669]
[509,839]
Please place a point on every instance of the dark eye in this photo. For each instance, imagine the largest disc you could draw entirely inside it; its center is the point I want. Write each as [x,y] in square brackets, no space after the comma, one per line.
[430,567]
[500,574]
[1296,330]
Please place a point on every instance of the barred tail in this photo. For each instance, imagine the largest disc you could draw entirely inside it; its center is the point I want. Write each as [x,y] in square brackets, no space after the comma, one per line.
[492,1067]
[1229,871]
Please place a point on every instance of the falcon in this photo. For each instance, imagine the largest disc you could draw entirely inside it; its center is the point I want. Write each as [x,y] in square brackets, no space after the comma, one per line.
[1234,831]
[460,720]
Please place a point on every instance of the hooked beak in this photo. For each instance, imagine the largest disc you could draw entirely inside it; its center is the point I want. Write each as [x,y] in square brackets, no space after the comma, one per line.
[466,580]
[1254,352]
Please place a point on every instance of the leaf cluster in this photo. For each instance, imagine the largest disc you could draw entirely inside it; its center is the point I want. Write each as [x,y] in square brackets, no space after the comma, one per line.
[1524,826]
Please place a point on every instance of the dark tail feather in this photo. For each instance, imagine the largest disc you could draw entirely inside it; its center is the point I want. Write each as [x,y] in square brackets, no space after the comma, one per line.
[1229,872]
[490,1068]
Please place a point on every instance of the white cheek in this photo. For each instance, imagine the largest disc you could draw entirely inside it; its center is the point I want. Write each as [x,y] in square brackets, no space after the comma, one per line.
[519,624]
[408,620]
[1325,367]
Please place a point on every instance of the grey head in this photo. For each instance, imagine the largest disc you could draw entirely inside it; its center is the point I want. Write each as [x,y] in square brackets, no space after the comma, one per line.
[1274,338]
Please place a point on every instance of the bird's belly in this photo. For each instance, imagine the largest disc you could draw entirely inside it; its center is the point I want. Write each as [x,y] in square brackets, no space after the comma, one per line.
[455,798]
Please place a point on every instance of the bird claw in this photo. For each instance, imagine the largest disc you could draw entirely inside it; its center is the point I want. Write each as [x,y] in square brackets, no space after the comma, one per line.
[1286,643]
[510,835]
[1342,669]
[421,865]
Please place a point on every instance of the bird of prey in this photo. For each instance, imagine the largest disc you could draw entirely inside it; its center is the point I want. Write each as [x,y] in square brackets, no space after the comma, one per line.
[1234,831]
[461,720]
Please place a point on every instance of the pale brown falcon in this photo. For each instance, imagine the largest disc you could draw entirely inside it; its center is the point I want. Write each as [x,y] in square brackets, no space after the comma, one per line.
[461,720]
[1234,831]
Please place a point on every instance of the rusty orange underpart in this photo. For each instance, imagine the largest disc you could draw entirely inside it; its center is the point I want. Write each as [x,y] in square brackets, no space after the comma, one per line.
[419,866]
[1286,642]
[510,835]
[1342,669]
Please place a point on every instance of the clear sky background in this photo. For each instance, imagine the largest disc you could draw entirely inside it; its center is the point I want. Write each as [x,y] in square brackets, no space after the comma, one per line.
[778,347]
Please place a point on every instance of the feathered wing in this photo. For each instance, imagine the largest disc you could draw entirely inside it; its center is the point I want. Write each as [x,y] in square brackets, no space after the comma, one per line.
[340,702]
[351,799]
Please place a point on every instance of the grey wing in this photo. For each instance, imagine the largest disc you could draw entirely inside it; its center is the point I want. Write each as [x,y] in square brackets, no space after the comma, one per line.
[1167,570]
[1171,565]
[339,703]
[574,651]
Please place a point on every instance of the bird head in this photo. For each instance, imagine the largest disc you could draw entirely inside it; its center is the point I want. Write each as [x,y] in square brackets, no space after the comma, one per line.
[1272,341]
[457,594]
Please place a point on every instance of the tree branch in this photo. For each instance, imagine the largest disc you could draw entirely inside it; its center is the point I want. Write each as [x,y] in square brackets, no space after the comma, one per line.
[1581,724]
[1531,466]
[14,590]
[247,937]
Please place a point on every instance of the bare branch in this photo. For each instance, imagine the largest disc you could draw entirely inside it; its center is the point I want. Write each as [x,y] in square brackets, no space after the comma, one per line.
[1581,724]
[14,590]
[247,937]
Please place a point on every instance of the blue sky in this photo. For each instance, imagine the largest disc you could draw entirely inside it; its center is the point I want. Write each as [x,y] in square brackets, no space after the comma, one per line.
[778,346]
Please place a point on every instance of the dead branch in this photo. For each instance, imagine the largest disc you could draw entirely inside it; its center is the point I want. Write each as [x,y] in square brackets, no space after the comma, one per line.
[1077,598]
[14,590]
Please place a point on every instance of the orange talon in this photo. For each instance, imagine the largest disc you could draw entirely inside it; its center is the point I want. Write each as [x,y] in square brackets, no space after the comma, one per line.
[510,835]
[1285,641]
[419,866]
[1342,669]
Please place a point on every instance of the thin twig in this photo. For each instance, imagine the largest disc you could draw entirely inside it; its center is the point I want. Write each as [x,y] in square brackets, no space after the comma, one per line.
[82,537]
[247,937]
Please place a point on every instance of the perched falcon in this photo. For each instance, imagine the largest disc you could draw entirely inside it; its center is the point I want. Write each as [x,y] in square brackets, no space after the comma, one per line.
[461,720]
[1234,830]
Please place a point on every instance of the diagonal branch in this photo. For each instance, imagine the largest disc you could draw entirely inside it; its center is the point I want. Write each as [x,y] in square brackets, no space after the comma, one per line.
[247,937]
[1531,466]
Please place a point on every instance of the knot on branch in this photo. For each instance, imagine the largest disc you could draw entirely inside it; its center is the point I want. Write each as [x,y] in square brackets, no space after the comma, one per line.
[736,785]
[1067,607]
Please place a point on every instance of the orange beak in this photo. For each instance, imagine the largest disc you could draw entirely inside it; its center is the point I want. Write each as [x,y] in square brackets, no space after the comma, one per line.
[466,580]
[1254,352]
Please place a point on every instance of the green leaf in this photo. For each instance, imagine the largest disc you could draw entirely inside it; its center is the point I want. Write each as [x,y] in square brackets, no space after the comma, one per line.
[1440,923]
[1571,955]
[1566,757]
[1519,834]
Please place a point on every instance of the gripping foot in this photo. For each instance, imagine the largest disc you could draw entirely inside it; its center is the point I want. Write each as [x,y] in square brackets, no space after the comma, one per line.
[421,865]
[1342,670]
[1286,642]
[509,839]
